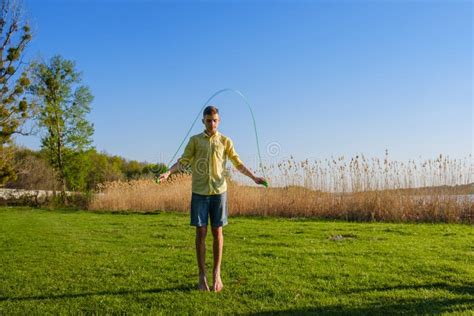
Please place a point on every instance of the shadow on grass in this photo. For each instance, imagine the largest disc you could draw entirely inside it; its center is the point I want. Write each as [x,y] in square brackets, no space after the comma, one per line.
[467,288]
[183,288]
[431,306]
[126,213]
[400,307]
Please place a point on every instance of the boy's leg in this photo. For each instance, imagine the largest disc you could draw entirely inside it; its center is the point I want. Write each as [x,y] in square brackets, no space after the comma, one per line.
[218,214]
[201,233]
[199,218]
[218,245]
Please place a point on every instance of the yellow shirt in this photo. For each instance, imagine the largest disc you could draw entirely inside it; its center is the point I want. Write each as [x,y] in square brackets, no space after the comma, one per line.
[208,156]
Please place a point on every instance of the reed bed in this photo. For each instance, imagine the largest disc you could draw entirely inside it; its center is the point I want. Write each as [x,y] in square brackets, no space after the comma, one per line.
[359,189]
[361,174]
[144,195]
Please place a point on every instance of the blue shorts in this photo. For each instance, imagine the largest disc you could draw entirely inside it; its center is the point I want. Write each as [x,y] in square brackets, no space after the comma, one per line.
[203,206]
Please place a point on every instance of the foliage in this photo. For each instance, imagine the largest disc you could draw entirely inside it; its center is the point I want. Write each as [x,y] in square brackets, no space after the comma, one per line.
[15,109]
[63,106]
[85,170]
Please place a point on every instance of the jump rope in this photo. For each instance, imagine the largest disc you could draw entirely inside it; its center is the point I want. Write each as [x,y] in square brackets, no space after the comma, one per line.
[200,113]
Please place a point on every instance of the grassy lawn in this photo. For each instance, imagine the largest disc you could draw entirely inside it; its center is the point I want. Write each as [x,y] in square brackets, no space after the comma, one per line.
[77,261]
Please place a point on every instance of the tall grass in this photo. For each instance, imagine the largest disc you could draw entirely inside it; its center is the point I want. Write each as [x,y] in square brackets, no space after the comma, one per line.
[359,189]
[144,195]
[360,174]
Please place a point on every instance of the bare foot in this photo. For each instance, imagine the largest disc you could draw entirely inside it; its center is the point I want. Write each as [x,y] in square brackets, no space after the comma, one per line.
[203,283]
[217,285]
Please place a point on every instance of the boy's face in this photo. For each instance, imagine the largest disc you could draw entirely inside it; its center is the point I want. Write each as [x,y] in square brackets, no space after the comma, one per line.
[211,121]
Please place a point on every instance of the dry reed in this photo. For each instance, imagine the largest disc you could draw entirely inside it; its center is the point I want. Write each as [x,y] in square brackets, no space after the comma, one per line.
[438,190]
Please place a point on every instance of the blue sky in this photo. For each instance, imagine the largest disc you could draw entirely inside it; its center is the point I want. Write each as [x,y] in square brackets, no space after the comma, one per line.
[325,78]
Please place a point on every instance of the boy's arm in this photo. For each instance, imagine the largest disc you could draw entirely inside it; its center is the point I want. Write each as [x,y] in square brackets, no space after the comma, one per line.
[171,170]
[244,170]
[185,159]
[239,165]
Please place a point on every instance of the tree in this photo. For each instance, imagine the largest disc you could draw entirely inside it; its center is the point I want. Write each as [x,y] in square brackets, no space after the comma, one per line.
[62,108]
[14,107]
[33,171]
[104,168]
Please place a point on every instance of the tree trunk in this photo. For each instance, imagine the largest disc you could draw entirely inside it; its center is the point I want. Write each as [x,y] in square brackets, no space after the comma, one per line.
[61,164]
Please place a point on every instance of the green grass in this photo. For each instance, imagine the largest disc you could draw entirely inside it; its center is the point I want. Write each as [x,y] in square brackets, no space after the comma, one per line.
[82,262]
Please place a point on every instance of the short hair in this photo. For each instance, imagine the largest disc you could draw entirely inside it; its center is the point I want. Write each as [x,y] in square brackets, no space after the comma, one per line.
[210,110]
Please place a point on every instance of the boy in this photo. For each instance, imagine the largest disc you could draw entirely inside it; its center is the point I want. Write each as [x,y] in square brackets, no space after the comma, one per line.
[207,153]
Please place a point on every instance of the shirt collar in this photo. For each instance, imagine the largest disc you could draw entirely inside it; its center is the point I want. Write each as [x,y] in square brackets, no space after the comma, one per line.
[205,134]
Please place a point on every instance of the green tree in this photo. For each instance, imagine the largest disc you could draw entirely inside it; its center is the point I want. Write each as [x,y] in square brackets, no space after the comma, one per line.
[103,168]
[77,168]
[62,108]
[132,169]
[154,169]
[14,108]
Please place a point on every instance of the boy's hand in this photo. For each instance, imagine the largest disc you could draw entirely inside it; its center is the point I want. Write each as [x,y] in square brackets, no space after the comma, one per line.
[163,176]
[259,180]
